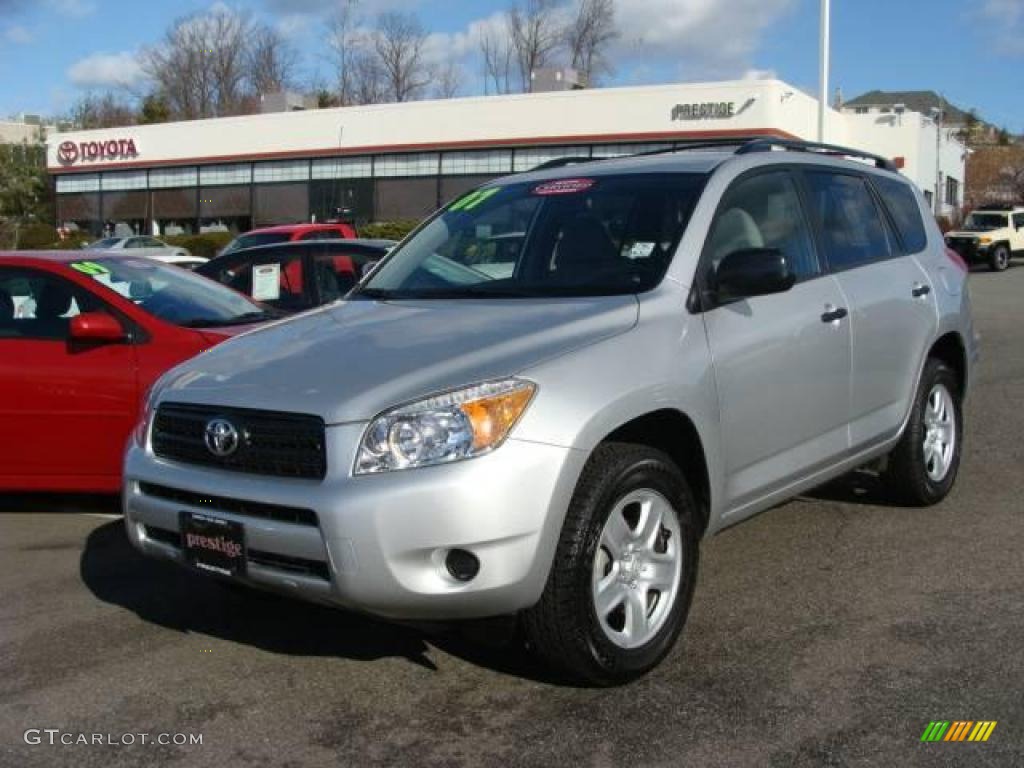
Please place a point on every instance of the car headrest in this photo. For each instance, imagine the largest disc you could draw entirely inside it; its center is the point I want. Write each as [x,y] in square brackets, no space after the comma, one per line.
[53,301]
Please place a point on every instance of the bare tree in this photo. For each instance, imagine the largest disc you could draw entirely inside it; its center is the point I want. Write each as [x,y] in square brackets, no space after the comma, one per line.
[535,35]
[369,81]
[398,41]
[588,36]
[497,59]
[200,66]
[271,62]
[447,79]
[347,45]
[101,111]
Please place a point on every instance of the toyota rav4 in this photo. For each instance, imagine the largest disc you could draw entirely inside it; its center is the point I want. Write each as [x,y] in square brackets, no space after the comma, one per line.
[543,399]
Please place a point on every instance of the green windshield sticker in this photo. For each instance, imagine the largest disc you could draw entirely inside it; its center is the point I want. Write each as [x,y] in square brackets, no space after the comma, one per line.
[475,199]
[90,268]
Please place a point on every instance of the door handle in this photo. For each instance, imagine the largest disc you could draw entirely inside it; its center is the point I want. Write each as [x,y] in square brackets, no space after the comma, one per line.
[834,315]
[921,290]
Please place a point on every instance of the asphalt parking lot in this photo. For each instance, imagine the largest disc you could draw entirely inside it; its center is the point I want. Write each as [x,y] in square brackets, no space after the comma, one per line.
[828,632]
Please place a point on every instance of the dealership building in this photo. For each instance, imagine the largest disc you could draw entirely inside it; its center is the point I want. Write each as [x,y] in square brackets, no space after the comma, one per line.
[402,161]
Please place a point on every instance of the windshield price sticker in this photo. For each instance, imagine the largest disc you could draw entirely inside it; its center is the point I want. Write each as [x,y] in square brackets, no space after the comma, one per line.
[266,282]
[90,268]
[564,187]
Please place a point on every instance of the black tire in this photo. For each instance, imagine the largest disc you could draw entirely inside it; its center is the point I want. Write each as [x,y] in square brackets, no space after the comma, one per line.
[999,259]
[907,472]
[563,628]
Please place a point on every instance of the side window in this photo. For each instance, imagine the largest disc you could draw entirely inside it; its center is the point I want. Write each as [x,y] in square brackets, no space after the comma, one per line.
[152,242]
[274,279]
[135,242]
[39,305]
[338,269]
[1018,220]
[850,222]
[902,203]
[764,211]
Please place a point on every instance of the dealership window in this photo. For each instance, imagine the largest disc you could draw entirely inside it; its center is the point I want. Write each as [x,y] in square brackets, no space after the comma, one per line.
[174,211]
[333,200]
[79,211]
[405,198]
[952,192]
[421,164]
[125,213]
[529,158]
[124,180]
[88,182]
[624,150]
[290,170]
[280,204]
[494,162]
[343,168]
[240,173]
[166,178]
[225,209]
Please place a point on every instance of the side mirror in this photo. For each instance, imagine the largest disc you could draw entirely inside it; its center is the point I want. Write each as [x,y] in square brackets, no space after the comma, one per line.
[752,272]
[96,327]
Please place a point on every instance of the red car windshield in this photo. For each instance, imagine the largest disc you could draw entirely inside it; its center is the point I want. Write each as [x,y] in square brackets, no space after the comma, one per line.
[172,294]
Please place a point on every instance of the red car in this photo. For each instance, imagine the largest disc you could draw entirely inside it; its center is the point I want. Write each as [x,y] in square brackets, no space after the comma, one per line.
[82,338]
[288,233]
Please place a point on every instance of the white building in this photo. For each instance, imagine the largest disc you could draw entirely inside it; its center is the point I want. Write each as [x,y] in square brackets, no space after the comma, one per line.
[404,160]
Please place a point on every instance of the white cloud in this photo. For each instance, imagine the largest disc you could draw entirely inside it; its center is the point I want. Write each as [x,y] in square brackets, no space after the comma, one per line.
[18,35]
[1003,21]
[760,74]
[107,70]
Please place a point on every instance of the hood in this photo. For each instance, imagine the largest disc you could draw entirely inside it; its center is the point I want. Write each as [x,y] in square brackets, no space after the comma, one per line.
[223,333]
[350,361]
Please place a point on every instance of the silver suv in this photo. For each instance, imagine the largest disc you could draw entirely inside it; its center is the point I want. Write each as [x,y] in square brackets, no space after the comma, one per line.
[545,397]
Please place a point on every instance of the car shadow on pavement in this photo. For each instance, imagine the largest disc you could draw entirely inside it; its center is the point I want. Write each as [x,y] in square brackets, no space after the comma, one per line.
[862,486]
[60,503]
[170,596]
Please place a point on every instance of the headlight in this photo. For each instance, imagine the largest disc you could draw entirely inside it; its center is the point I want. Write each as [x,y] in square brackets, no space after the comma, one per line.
[984,240]
[448,427]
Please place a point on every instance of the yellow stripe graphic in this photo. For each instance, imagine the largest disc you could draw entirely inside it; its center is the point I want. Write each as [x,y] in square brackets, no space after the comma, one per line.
[988,731]
[978,730]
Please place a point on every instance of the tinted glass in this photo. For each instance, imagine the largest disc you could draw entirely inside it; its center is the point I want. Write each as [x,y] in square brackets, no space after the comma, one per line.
[570,237]
[273,276]
[764,211]
[39,305]
[902,203]
[984,222]
[1018,220]
[322,234]
[109,242]
[338,268]
[849,219]
[251,241]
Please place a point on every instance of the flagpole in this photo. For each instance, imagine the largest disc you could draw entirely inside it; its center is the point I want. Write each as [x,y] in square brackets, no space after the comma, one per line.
[823,74]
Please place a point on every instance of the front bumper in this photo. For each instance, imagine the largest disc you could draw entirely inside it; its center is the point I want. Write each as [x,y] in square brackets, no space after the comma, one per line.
[970,250]
[378,542]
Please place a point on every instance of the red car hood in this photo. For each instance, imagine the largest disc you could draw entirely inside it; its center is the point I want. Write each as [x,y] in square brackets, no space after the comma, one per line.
[217,335]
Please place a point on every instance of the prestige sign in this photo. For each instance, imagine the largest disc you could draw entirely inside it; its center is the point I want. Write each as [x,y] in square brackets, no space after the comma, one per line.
[709,110]
[69,153]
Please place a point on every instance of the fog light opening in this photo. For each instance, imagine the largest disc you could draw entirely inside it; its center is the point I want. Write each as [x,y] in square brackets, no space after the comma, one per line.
[462,565]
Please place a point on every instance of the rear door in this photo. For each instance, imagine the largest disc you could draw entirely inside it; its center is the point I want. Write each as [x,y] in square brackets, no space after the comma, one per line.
[891,300]
[66,408]
[781,362]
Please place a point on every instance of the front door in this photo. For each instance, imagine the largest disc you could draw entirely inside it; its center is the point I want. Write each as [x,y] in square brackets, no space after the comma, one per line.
[66,408]
[781,362]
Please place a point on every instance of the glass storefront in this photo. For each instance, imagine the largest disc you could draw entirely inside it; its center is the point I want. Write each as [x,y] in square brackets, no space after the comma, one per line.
[237,197]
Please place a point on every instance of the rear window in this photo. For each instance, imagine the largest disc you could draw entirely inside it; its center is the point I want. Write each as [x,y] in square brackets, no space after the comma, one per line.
[854,231]
[902,204]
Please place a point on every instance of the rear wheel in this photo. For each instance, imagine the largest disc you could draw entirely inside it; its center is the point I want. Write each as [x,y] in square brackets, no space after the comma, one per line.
[999,259]
[923,467]
[623,576]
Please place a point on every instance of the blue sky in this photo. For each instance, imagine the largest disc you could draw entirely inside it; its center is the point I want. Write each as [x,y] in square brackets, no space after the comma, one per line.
[54,51]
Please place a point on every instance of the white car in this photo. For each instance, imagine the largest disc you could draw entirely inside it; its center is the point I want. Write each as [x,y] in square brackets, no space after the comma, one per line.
[149,247]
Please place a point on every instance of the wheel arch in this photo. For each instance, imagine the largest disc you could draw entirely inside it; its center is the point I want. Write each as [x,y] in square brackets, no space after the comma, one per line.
[952,351]
[675,434]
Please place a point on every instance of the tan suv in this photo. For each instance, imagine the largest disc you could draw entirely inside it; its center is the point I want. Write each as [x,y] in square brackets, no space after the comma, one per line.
[993,234]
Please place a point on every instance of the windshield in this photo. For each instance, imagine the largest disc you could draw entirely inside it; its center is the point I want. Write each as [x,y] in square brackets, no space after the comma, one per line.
[109,242]
[985,221]
[250,241]
[171,293]
[570,237]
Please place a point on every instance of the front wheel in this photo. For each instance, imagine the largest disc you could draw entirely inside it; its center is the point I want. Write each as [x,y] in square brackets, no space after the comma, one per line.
[923,466]
[999,260]
[621,584]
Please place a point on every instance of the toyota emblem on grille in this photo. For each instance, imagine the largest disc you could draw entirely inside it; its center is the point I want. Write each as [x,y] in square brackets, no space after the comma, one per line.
[221,437]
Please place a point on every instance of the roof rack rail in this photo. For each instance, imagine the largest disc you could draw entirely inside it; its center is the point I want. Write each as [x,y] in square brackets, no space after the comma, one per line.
[561,162]
[796,145]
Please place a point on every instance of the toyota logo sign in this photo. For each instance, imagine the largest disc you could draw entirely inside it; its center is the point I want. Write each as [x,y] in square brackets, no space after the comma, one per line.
[221,437]
[67,152]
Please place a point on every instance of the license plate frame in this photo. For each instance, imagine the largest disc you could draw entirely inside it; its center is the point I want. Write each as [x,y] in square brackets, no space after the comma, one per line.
[212,543]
